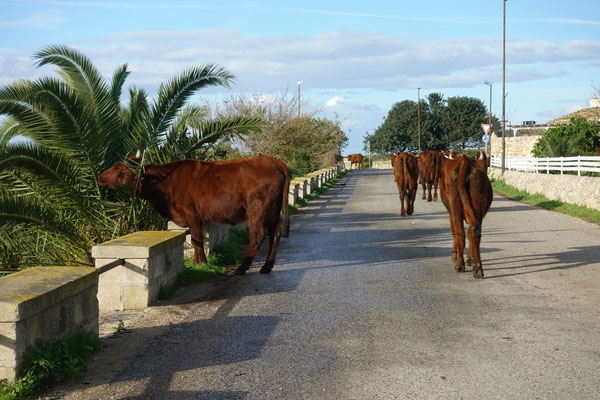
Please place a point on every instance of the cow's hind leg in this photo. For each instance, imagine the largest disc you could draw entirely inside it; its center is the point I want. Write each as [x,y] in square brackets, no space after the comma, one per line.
[274,236]
[474,235]
[429,191]
[458,247]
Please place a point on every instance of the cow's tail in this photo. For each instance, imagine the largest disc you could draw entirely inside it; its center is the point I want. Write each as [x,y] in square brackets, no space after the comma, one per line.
[464,171]
[285,232]
[405,176]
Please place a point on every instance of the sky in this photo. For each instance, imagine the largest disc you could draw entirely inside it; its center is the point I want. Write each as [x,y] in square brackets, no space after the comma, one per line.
[355,58]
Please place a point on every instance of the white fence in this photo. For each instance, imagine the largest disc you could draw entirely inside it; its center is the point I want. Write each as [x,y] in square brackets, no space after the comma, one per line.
[541,165]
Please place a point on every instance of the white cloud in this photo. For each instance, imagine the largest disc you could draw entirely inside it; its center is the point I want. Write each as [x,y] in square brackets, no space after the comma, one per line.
[334,101]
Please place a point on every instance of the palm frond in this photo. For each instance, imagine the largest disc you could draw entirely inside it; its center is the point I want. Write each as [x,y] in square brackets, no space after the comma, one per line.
[173,94]
[118,80]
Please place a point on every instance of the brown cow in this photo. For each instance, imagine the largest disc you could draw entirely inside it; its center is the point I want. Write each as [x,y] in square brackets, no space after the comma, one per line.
[356,159]
[467,193]
[428,161]
[406,173]
[229,192]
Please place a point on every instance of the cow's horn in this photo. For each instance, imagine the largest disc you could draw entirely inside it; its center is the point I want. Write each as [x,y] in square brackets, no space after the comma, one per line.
[481,155]
[138,154]
[452,158]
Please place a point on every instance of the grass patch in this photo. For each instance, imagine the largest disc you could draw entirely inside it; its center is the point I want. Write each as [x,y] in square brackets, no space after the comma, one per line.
[54,361]
[222,255]
[539,200]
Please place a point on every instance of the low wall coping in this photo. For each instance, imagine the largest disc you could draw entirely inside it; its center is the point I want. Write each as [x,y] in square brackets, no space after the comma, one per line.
[143,244]
[27,292]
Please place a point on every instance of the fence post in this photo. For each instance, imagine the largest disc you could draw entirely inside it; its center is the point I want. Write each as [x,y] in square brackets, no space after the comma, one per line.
[578,165]
[561,165]
[547,165]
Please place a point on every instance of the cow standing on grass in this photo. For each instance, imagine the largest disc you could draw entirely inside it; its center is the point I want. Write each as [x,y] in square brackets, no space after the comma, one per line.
[228,192]
[406,173]
[467,193]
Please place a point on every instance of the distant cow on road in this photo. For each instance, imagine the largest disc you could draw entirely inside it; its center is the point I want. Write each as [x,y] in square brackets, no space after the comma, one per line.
[467,193]
[190,191]
[356,159]
[406,174]
[428,173]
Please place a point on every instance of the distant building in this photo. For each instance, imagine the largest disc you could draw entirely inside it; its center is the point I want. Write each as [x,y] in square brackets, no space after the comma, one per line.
[520,139]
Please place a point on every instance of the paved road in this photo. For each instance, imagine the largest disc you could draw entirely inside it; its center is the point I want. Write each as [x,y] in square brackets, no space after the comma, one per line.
[363,304]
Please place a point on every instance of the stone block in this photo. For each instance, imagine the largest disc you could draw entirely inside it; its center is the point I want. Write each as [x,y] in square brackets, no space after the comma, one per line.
[47,303]
[143,244]
[136,297]
[293,193]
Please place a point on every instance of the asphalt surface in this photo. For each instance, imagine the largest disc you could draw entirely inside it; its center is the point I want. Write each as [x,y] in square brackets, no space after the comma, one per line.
[364,304]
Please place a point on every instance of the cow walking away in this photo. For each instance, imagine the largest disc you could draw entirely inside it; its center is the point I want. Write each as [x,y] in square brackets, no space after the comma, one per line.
[406,174]
[428,174]
[467,193]
[229,192]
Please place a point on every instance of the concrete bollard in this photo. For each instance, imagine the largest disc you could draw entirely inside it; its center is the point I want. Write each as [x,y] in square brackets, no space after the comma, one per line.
[212,235]
[49,303]
[152,259]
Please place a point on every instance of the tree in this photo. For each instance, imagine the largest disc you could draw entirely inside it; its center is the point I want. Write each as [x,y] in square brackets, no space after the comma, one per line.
[297,140]
[578,138]
[398,132]
[51,208]
[452,123]
[462,119]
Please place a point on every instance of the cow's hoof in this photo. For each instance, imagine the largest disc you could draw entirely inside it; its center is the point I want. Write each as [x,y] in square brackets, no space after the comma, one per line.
[403,214]
[478,274]
[454,255]
[266,268]
[460,268]
[240,271]
[469,261]
[410,212]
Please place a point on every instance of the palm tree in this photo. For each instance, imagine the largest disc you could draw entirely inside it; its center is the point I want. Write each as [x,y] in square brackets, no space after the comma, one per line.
[51,208]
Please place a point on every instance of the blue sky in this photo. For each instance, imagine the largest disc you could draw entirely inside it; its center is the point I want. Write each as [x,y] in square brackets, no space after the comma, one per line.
[355,58]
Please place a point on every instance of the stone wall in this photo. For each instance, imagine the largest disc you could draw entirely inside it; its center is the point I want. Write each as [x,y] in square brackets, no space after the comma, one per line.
[580,190]
[516,146]
[47,303]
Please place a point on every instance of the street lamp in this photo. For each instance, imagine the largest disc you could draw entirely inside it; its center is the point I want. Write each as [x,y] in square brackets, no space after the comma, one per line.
[487,145]
[419,115]
[503,87]
[299,83]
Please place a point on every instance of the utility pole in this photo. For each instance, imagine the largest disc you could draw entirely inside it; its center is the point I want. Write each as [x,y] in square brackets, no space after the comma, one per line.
[419,116]
[487,145]
[299,83]
[504,89]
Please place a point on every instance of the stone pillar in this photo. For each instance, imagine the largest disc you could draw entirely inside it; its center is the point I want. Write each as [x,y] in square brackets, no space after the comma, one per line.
[212,235]
[293,193]
[152,259]
[49,303]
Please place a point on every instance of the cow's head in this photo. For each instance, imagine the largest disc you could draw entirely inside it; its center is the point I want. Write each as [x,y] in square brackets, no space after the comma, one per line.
[120,177]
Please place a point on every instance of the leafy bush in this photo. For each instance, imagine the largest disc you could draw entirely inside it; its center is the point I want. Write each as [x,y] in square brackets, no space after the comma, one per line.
[52,361]
[579,138]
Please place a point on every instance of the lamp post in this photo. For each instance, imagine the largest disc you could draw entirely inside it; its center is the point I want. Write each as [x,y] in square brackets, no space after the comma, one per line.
[503,87]
[299,83]
[419,116]
[488,145]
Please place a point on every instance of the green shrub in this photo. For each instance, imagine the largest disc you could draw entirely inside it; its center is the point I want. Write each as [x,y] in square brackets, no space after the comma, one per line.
[53,361]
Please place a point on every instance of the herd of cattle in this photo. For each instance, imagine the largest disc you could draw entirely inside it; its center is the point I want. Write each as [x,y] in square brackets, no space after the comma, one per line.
[256,190]
[465,190]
